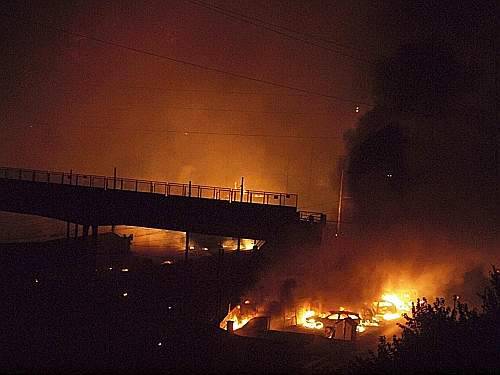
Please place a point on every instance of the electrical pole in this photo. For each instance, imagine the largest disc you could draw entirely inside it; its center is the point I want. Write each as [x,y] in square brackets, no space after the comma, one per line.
[339,213]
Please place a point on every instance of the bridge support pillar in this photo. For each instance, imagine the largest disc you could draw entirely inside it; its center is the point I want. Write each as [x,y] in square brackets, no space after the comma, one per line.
[85,232]
[95,230]
[186,251]
[76,231]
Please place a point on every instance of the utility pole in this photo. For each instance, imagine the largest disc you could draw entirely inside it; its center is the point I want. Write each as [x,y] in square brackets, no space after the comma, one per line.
[114,188]
[186,250]
[68,223]
[238,248]
[339,213]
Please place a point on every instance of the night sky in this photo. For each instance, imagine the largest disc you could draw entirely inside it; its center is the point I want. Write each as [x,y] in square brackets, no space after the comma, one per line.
[71,102]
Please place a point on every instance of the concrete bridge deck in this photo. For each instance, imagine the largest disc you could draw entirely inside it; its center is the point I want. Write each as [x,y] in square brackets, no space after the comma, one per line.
[99,200]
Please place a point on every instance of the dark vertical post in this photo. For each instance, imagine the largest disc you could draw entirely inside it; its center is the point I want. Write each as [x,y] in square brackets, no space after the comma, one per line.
[186,251]
[238,248]
[76,231]
[241,189]
[339,213]
[189,193]
[220,258]
[85,232]
[68,223]
[114,188]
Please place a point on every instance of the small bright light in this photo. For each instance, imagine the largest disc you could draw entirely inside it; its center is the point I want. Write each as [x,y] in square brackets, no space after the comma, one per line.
[110,268]
[170,307]
[389,175]
[159,344]
[36,280]
[357,109]
[124,269]
[205,249]
[186,133]
[125,294]
[247,302]
[191,247]
[168,262]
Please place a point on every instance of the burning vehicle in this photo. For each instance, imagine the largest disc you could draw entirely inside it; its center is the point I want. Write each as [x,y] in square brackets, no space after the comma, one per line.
[307,316]
[340,324]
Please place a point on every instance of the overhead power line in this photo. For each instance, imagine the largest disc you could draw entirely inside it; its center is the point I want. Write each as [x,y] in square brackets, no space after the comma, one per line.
[164,88]
[186,132]
[284,31]
[188,63]
[232,110]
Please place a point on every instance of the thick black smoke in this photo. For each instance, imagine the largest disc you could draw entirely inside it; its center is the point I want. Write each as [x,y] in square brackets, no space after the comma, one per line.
[422,164]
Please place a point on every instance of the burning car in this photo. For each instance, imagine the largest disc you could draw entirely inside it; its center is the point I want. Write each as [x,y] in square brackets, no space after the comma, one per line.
[339,324]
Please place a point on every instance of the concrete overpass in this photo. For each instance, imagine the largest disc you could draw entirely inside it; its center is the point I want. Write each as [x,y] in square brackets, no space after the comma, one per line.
[93,201]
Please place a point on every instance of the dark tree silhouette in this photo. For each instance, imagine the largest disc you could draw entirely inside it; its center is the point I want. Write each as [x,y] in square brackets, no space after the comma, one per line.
[441,338]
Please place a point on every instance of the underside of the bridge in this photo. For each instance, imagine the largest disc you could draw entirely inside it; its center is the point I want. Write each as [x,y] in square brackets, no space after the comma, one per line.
[93,207]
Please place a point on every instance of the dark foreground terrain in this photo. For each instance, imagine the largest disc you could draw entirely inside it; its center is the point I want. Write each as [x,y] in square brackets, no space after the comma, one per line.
[81,305]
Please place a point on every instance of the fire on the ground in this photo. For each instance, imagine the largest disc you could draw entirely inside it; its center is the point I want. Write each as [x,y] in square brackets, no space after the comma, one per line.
[389,307]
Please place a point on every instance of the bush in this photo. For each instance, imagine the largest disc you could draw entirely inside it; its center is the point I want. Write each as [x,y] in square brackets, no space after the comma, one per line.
[438,337]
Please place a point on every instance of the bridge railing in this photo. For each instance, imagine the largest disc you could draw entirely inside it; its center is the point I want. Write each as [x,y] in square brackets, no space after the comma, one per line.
[148,186]
[313,217]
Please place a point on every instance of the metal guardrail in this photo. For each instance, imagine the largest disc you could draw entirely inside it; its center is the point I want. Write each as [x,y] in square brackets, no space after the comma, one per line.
[154,187]
[312,217]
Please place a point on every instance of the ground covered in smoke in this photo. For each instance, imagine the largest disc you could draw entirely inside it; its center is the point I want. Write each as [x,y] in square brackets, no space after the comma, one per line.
[421,176]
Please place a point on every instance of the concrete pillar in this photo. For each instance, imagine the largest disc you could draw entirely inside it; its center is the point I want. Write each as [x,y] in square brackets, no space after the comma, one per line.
[186,251]
[85,232]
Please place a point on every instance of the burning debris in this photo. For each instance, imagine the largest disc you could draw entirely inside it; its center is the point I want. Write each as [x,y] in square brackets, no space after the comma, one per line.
[239,316]
[310,317]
